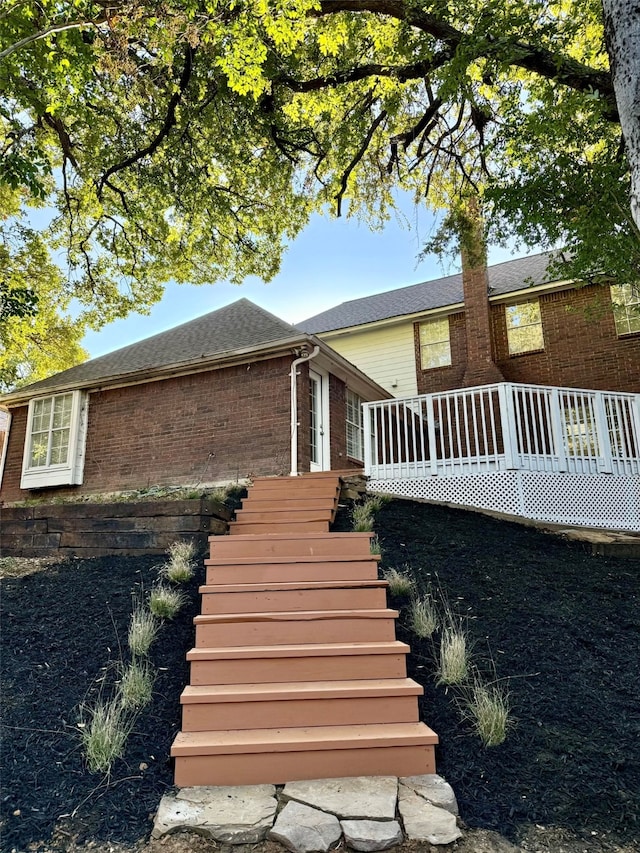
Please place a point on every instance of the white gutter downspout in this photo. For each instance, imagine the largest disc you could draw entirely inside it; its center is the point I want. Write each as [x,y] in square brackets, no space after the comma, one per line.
[5,446]
[294,408]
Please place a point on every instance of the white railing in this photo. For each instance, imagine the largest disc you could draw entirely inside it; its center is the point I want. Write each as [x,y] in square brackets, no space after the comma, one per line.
[501,427]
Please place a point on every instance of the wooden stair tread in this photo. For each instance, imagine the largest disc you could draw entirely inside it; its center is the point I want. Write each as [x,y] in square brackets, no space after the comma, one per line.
[291,585]
[289,560]
[304,739]
[300,537]
[295,616]
[299,650]
[293,690]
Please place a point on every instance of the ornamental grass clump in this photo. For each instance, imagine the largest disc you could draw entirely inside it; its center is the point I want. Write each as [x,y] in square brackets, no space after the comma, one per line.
[136,685]
[454,656]
[374,546]
[104,733]
[362,518]
[424,618]
[488,708]
[143,627]
[400,584]
[181,566]
[165,602]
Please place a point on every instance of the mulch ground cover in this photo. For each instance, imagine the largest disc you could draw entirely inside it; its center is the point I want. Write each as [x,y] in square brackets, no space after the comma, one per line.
[562,626]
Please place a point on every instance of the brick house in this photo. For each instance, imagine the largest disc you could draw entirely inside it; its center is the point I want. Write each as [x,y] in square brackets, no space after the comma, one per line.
[516,324]
[207,402]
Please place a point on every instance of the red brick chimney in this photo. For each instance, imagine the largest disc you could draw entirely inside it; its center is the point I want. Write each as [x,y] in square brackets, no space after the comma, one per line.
[481,369]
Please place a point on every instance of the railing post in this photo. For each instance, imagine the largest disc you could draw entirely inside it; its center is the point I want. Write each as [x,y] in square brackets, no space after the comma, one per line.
[366,422]
[635,429]
[602,433]
[557,431]
[431,432]
[507,423]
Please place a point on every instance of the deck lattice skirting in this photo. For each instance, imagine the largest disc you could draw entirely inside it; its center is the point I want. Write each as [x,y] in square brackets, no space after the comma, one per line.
[296,672]
[560,455]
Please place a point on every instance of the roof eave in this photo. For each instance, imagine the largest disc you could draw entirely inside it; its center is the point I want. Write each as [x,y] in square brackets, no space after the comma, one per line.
[135,377]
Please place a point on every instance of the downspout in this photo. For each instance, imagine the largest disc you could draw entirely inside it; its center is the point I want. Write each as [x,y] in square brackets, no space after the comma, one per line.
[294,407]
[5,447]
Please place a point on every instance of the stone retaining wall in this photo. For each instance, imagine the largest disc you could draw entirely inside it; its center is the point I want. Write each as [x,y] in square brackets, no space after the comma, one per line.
[96,530]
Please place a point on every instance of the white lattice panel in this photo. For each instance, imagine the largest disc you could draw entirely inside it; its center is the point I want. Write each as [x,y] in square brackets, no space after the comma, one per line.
[590,501]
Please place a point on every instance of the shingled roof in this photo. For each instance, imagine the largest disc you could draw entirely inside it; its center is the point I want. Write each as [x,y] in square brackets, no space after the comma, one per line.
[438,293]
[235,328]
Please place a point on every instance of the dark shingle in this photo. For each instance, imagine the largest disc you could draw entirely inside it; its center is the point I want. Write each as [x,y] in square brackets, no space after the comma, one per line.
[503,278]
[241,325]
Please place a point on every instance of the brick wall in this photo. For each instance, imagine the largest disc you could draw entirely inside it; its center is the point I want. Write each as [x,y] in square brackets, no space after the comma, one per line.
[581,349]
[220,425]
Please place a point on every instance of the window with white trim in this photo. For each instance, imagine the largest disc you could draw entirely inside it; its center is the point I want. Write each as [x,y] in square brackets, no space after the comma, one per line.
[625,299]
[355,426]
[435,344]
[524,327]
[54,441]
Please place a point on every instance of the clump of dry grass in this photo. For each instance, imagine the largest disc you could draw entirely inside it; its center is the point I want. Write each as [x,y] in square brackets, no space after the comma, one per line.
[454,656]
[143,627]
[181,565]
[401,585]
[488,708]
[424,618]
[136,685]
[105,728]
[165,602]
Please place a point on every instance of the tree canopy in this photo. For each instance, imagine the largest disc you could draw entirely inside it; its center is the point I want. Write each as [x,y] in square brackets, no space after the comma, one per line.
[191,139]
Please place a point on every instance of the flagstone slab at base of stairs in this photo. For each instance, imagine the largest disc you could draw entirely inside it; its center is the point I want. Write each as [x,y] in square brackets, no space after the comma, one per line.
[370,813]
[296,672]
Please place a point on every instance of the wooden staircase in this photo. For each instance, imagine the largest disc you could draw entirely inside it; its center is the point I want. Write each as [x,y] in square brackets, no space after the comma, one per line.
[296,672]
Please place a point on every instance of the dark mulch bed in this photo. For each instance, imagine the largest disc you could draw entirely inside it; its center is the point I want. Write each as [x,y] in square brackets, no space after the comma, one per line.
[563,626]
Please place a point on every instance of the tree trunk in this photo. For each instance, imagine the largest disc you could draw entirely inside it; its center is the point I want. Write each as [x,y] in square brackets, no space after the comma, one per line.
[622,33]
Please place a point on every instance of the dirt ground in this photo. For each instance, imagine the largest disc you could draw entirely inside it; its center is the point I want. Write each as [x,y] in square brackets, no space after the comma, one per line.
[560,625]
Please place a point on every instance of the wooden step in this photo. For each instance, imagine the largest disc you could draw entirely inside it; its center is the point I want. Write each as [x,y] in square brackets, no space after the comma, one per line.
[255,571]
[306,626]
[278,514]
[291,524]
[273,597]
[279,545]
[298,704]
[275,756]
[255,502]
[308,662]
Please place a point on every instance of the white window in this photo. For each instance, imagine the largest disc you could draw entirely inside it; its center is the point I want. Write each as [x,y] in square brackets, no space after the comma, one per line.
[625,299]
[54,441]
[355,431]
[524,327]
[435,346]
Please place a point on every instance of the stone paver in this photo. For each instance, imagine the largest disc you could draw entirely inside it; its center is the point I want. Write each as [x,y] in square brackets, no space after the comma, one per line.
[424,822]
[360,797]
[434,789]
[305,830]
[241,814]
[370,835]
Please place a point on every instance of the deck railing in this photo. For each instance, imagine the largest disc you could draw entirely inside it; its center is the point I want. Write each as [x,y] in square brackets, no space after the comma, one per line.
[505,426]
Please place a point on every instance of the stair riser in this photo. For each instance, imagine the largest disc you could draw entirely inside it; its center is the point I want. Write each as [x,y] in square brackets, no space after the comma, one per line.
[242,528]
[233,716]
[293,600]
[293,572]
[278,767]
[267,547]
[282,670]
[286,488]
[276,633]
[253,502]
[273,516]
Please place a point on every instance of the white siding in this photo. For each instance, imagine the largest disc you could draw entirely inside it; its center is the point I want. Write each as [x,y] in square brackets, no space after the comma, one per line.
[385,354]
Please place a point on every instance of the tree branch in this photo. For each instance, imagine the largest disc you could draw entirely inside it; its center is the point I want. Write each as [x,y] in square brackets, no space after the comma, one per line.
[356,159]
[169,122]
[538,60]
[54,28]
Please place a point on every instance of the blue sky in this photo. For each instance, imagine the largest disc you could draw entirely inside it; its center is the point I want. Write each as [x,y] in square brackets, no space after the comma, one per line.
[331,261]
